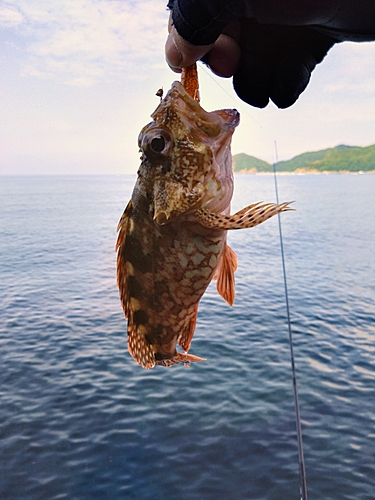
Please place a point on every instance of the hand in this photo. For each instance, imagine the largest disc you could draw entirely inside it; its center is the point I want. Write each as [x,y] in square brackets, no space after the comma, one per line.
[266,61]
[222,56]
[277,61]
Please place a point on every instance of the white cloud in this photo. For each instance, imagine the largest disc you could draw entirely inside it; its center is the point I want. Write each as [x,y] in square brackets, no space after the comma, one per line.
[10,17]
[80,42]
[352,68]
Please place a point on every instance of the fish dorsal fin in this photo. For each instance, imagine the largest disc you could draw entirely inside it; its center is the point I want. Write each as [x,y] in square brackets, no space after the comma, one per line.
[225,275]
[122,267]
[138,347]
[247,217]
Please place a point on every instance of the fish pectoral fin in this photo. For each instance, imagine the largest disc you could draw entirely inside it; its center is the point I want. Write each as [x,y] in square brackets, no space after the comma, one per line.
[184,339]
[225,275]
[249,216]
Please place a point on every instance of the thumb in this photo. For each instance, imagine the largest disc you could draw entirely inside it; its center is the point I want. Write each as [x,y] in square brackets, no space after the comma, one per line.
[179,53]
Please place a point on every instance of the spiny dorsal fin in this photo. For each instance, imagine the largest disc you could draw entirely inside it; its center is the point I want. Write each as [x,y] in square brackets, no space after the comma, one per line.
[138,346]
[247,217]
[122,268]
[225,275]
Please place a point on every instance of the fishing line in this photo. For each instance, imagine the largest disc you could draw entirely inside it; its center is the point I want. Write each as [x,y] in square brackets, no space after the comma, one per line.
[301,459]
[209,73]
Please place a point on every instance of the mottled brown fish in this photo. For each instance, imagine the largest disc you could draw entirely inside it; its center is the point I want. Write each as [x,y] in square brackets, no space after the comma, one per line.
[173,233]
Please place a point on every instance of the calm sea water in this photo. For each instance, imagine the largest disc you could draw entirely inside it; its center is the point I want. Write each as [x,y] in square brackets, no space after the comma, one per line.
[79,419]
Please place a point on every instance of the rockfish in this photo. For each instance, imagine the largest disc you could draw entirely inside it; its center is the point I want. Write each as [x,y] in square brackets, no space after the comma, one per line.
[173,233]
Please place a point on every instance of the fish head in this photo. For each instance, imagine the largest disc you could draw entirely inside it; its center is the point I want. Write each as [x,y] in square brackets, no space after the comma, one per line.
[186,156]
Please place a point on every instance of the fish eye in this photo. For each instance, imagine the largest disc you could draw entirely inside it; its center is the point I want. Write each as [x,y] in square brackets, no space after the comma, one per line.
[156,144]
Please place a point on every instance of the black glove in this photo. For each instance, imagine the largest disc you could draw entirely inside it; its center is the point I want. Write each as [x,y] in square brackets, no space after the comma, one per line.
[280,41]
[277,61]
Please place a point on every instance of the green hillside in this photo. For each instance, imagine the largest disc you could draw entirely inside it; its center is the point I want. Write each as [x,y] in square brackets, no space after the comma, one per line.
[341,158]
[243,161]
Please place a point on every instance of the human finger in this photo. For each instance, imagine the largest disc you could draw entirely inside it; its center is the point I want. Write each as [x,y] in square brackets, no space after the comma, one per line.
[179,53]
[224,56]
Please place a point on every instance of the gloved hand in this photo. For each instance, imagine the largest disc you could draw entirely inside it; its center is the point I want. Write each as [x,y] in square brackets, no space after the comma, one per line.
[270,48]
[277,61]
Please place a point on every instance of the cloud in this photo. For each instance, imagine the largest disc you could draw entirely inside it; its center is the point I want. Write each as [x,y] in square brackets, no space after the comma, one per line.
[10,17]
[81,42]
[352,69]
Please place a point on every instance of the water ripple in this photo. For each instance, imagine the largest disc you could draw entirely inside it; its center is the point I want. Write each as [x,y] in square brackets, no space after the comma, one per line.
[79,419]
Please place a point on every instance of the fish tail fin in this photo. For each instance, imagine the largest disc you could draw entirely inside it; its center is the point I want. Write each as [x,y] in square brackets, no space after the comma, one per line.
[179,358]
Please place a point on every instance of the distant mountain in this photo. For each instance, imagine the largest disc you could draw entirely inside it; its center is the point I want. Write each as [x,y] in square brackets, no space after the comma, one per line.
[243,161]
[338,159]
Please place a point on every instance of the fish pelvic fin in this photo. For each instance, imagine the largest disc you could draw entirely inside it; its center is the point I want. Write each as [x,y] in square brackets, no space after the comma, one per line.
[225,275]
[179,358]
[249,216]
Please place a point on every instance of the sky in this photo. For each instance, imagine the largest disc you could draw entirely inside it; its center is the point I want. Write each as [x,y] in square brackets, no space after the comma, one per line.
[78,81]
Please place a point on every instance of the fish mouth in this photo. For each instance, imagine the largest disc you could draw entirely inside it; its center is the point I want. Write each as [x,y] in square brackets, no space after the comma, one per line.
[209,124]
[212,128]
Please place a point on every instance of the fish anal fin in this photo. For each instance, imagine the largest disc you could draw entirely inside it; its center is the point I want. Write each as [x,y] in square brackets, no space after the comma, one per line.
[186,336]
[225,275]
[249,216]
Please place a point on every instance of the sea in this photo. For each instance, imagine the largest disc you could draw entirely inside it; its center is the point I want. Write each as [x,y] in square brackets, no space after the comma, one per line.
[79,419]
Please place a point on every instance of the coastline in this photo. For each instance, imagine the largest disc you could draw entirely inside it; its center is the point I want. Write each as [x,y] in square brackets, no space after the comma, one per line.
[302,171]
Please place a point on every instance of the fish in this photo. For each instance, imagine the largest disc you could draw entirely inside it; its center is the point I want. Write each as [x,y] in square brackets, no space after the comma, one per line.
[172,236]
